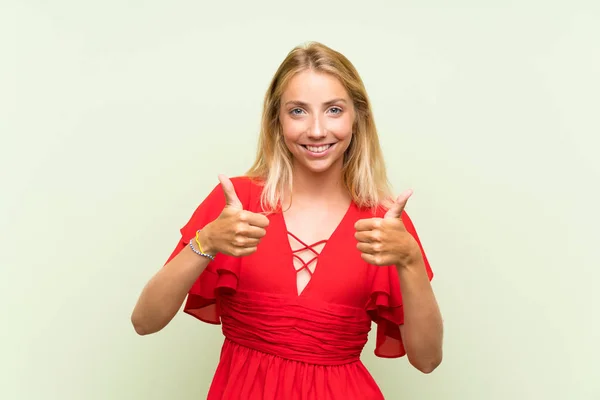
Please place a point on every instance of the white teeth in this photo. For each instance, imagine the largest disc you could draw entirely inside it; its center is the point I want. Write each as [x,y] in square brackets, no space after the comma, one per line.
[318,149]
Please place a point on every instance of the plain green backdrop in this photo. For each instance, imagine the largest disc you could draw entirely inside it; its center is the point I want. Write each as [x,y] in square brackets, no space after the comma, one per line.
[116,117]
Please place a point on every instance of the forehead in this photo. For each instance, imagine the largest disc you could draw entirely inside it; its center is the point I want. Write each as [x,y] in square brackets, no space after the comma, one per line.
[311,86]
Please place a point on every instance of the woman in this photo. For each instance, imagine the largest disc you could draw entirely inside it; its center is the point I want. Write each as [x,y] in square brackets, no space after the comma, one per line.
[297,258]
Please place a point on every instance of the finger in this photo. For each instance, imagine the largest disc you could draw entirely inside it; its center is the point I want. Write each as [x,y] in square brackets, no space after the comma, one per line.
[251,242]
[366,248]
[231,198]
[367,224]
[246,242]
[397,208]
[258,220]
[242,251]
[255,232]
[373,259]
[365,237]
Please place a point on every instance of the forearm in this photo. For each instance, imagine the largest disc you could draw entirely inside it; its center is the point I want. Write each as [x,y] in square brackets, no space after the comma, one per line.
[422,331]
[164,294]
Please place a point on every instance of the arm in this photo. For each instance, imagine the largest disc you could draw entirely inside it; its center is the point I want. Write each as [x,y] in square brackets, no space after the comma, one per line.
[233,232]
[422,331]
[393,241]
[164,294]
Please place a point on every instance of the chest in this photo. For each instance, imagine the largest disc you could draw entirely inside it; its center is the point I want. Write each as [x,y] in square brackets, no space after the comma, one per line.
[317,260]
[313,225]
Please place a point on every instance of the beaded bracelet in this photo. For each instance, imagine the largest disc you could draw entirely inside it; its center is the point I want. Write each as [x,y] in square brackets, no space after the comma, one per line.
[200,252]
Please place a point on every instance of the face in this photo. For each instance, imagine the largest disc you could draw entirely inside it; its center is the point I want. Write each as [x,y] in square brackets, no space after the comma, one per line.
[317,116]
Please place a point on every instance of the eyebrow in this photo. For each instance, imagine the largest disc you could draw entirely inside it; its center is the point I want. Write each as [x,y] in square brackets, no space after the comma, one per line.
[327,103]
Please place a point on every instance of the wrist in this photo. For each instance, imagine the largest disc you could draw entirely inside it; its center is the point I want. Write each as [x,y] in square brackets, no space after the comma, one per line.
[207,244]
[410,263]
[410,257]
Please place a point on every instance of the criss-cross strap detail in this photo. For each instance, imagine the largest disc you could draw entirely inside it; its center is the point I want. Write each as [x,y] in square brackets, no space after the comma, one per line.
[310,247]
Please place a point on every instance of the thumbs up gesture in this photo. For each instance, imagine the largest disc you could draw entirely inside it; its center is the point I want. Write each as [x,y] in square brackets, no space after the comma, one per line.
[385,241]
[235,232]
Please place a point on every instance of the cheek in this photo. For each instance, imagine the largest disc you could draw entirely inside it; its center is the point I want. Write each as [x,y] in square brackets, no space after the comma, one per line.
[341,127]
[292,129]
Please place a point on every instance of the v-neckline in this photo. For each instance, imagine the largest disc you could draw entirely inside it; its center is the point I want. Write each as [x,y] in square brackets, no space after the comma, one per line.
[290,252]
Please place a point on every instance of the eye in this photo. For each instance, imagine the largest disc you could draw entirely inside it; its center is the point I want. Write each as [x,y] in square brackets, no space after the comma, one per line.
[296,111]
[335,110]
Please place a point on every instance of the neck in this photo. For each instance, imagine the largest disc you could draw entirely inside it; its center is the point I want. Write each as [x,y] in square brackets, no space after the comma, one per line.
[324,186]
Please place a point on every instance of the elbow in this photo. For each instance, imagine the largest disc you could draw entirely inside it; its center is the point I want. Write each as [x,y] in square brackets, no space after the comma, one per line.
[141,330]
[426,365]
[428,368]
[147,322]
[140,327]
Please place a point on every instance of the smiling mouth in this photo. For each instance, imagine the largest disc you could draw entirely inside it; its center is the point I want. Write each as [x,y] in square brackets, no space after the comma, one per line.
[318,149]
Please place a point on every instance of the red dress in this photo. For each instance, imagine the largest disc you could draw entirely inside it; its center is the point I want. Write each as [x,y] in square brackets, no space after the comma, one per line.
[281,345]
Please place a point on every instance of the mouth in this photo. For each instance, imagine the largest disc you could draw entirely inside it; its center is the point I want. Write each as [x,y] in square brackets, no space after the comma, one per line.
[318,149]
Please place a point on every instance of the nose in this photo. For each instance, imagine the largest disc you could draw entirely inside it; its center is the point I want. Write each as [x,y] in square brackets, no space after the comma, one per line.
[317,130]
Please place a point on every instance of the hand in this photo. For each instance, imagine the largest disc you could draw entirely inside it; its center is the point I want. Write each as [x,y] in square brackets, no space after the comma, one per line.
[385,241]
[235,232]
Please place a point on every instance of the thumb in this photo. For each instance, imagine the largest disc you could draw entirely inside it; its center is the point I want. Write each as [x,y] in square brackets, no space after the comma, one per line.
[231,198]
[396,209]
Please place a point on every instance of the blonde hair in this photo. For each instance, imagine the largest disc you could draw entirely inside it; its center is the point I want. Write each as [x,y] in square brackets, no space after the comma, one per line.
[364,172]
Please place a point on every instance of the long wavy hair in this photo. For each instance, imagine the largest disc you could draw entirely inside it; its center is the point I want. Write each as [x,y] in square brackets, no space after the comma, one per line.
[364,172]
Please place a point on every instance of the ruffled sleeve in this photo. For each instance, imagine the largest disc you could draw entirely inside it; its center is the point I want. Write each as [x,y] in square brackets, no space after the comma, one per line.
[385,304]
[221,275]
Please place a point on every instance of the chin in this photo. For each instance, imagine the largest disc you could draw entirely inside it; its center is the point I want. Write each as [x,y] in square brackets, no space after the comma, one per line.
[319,167]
